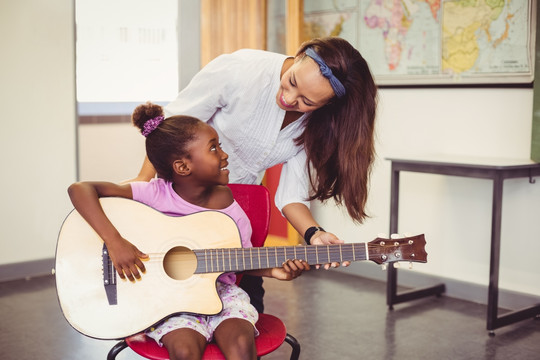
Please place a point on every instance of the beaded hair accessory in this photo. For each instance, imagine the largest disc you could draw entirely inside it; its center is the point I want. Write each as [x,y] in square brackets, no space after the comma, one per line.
[338,87]
[151,125]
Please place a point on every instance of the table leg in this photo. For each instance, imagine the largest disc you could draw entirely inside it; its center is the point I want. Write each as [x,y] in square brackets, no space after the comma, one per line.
[392,297]
[494,321]
[493,289]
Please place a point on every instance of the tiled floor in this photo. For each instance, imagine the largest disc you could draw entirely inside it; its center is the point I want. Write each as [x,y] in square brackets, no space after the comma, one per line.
[332,314]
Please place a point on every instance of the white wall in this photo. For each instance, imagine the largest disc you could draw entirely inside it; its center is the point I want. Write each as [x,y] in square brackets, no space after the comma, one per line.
[453,212]
[37,94]
[110,152]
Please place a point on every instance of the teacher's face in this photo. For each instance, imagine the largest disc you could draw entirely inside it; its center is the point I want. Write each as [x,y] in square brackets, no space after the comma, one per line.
[303,88]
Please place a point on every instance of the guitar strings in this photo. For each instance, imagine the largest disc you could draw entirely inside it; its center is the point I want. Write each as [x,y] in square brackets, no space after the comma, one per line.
[333,250]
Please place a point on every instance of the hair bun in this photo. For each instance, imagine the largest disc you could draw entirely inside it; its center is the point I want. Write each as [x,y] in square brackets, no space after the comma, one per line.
[145,112]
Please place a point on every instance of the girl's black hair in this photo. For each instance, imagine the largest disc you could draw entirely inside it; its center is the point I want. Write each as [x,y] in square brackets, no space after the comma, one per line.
[168,142]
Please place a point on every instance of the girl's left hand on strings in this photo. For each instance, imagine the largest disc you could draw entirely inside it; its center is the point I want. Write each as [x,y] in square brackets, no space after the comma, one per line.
[290,270]
[326,238]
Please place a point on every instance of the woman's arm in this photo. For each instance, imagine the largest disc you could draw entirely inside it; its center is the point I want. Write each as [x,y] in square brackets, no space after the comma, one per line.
[124,255]
[301,219]
[146,173]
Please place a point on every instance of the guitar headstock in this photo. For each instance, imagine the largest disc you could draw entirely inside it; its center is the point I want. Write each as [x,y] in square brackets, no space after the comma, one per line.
[382,251]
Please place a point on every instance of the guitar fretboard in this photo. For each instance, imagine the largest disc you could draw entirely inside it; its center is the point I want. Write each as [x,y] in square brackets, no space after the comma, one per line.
[240,259]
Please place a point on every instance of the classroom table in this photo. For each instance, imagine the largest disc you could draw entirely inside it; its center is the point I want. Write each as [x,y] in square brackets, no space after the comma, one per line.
[493,169]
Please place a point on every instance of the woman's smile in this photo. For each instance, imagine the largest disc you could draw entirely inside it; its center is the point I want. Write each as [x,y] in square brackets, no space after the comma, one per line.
[284,102]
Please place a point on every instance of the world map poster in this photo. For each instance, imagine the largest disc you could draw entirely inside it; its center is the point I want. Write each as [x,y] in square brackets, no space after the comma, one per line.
[410,42]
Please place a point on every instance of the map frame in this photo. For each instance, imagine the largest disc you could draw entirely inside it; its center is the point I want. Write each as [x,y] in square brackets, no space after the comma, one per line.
[320,20]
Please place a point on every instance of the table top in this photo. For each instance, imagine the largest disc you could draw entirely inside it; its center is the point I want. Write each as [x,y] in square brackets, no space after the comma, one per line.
[466,161]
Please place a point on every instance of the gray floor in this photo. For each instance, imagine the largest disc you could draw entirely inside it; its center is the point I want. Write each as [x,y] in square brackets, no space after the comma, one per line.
[332,314]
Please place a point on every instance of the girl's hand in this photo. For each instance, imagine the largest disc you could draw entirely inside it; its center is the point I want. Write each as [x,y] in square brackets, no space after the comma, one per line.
[126,259]
[326,238]
[291,269]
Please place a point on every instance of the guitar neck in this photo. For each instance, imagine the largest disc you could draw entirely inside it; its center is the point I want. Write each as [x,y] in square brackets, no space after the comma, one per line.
[240,259]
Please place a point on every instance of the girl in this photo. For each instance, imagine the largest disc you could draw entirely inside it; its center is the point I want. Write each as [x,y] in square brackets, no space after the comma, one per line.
[193,175]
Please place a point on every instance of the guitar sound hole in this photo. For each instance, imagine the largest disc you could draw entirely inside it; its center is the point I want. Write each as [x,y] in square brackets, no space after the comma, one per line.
[180,263]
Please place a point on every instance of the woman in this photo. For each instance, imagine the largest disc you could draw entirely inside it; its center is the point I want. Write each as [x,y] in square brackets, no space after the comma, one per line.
[313,113]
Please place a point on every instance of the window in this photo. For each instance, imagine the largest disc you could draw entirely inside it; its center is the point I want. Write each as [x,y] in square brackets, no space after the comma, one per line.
[126,52]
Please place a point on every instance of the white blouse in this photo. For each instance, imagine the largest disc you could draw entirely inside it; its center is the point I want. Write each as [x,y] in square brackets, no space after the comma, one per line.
[236,94]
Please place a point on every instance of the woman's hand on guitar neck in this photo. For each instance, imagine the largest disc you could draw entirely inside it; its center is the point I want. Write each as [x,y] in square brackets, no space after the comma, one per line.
[326,238]
[127,259]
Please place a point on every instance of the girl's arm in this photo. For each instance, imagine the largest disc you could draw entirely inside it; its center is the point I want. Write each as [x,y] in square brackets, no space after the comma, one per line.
[124,255]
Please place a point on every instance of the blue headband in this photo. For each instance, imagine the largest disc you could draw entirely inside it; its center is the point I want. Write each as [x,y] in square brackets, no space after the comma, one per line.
[338,87]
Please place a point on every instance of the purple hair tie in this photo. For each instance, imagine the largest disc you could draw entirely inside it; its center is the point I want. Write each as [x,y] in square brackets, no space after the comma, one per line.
[151,125]
[337,86]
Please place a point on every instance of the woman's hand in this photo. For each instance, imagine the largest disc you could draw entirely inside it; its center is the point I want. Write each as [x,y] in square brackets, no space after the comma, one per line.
[326,238]
[127,259]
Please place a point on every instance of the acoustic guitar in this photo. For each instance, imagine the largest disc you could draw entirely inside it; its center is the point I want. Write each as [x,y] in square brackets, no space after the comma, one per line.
[186,256]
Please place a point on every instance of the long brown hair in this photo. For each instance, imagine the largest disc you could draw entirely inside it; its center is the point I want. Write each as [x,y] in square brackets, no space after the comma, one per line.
[339,137]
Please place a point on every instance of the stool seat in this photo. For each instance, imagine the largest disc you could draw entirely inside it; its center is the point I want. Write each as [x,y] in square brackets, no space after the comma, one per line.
[272,335]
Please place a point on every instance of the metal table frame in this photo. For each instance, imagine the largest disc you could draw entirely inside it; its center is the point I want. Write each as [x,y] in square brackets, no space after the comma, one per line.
[497,171]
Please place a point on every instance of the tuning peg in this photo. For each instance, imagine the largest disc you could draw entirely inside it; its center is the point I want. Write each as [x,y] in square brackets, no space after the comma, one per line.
[396,265]
[384,267]
[395,236]
[382,235]
[410,265]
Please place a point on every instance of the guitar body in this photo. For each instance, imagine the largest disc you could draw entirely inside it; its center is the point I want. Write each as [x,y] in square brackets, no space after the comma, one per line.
[169,285]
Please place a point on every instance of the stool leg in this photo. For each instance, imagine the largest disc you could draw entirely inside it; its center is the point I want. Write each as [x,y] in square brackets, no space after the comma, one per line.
[121,345]
[291,340]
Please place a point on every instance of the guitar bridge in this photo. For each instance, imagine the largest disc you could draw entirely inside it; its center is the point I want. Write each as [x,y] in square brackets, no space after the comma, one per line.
[109,277]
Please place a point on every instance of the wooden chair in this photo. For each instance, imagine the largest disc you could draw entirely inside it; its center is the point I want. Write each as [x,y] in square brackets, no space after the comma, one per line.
[255,200]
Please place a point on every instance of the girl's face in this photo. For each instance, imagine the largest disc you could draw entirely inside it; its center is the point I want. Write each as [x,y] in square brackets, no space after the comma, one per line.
[208,161]
[303,88]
